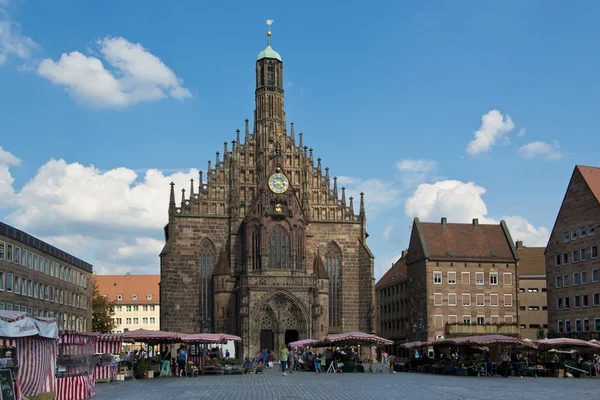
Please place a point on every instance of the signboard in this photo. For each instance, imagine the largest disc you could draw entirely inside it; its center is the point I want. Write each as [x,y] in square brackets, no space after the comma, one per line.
[7,388]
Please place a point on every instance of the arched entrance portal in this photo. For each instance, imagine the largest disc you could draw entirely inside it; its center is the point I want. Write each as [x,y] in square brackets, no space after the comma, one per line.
[278,321]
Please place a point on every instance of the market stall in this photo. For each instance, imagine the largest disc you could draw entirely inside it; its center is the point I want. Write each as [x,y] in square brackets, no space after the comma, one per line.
[75,365]
[107,345]
[149,366]
[34,340]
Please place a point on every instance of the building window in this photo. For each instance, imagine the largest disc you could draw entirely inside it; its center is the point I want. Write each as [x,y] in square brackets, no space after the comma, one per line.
[595,275]
[494,300]
[480,320]
[508,319]
[565,281]
[255,250]
[134,297]
[466,278]
[466,319]
[534,308]
[437,299]
[300,249]
[480,299]
[2,245]
[594,251]
[128,308]
[532,290]
[17,284]
[567,326]
[596,299]
[567,303]
[128,321]
[590,230]
[508,300]
[279,249]
[437,278]
[507,277]
[206,266]
[466,299]
[452,278]
[582,232]
[557,260]
[566,237]
[333,258]
[597,324]
[9,252]
[586,325]
[17,255]
[495,319]
[583,277]
[1,281]
[9,282]
[574,256]
[584,300]
[452,299]
[148,296]
[575,278]
[493,278]
[479,276]
[119,297]
[438,321]
[573,234]
[583,254]
[560,327]
[565,258]
[452,319]
[145,320]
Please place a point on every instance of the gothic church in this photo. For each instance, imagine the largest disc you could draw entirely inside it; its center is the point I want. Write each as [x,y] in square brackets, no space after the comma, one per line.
[266,247]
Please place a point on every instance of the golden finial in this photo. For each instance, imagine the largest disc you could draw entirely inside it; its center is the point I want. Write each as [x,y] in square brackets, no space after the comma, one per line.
[269,22]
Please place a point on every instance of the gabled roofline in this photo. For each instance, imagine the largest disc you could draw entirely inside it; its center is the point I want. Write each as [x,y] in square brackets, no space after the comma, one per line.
[511,243]
[417,224]
[364,244]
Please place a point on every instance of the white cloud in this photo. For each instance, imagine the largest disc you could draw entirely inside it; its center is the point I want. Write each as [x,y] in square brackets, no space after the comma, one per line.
[388,231]
[7,158]
[379,193]
[12,42]
[494,127]
[117,216]
[522,132]
[136,75]
[461,202]
[7,193]
[415,171]
[541,149]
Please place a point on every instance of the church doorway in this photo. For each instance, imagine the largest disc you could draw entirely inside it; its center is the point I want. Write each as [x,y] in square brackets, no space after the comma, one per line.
[267,340]
[291,336]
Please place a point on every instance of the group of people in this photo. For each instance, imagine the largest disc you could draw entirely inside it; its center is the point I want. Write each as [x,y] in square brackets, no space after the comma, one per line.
[292,358]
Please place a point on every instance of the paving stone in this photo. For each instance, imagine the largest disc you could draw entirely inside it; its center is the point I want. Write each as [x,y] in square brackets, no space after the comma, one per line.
[307,385]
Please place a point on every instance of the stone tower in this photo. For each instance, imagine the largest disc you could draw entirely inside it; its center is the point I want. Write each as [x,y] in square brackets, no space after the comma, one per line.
[266,246]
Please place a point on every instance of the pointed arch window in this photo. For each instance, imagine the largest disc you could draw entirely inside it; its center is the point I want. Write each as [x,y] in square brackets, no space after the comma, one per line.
[206,266]
[279,249]
[255,249]
[333,257]
[300,249]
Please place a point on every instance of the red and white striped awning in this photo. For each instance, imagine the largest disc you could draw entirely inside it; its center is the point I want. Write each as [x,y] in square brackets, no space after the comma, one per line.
[109,343]
[4,342]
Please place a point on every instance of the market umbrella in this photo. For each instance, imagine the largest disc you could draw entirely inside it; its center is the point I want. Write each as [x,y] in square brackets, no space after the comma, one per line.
[302,343]
[352,339]
[566,344]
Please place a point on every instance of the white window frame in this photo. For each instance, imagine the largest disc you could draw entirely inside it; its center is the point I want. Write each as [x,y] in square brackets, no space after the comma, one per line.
[583,254]
[565,305]
[566,237]
[558,284]
[496,318]
[590,230]
[573,234]
[455,299]
[477,319]
[463,299]
[462,278]
[574,256]
[492,274]
[559,307]
[482,280]
[497,300]
[575,278]
[557,260]
[587,303]
[509,297]
[441,277]
[480,296]
[442,319]
[594,303]
[582,232]
[583,281]
[466,319]
[588,325]
[568,321]
[558,324]
[504,279]
[452,317]
[509,319]
[592,251]
[119,297]
[441,296]
[565,258]
[450,273]
[149,296]
[565,282]
[134,297]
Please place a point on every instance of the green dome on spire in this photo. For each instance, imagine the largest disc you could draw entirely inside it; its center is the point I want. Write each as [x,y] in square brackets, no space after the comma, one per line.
[268,52]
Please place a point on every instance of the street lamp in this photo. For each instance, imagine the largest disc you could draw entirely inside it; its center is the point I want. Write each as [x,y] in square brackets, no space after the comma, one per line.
[202,323]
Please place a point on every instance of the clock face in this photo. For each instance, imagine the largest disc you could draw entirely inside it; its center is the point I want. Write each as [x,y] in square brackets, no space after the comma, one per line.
[278,183]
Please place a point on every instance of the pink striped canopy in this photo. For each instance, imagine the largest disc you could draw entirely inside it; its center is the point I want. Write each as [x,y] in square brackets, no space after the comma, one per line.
[482,341]
[148,335]
[353,338]
[228,337]
[201,338]
[109,343]
[37,363]
[566,344]
[302,343]
[411,345]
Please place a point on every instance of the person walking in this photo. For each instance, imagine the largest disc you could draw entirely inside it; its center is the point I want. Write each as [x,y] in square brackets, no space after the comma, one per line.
[505,364]
[291,359]
[284,354]
[181,359]
[318,364]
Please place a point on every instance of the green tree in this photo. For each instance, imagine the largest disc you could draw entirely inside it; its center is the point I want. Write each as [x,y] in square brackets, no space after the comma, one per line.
[540,333]
[102,311]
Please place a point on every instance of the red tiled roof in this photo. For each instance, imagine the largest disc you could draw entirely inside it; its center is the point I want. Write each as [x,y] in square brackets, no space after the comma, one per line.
[467,242]
[592,178]
[532,261]
[128,285]
[394,275]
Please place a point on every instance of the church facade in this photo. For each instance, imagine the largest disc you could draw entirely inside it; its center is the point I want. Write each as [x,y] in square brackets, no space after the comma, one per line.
[266,246]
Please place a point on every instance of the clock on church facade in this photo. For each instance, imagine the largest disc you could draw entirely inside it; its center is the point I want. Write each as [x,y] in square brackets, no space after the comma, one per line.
[265,246]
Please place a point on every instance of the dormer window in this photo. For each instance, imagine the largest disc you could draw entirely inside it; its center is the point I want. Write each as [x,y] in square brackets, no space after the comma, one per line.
[148,297]
[119,297]
[566,237]
[134,297]
[573,234]
[493,254]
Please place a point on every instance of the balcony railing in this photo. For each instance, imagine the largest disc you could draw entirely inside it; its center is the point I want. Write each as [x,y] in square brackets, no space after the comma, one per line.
[454,330]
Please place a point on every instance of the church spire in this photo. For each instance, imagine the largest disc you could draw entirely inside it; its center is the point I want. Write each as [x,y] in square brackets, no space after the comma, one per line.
[172,204]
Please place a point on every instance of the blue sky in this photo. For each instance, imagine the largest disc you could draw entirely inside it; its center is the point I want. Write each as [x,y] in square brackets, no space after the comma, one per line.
[113,100]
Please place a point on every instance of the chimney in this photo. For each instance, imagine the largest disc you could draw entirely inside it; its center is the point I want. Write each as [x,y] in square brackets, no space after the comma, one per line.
[444,221]
[404,253]
[519,244]
[475,222]
[127,275]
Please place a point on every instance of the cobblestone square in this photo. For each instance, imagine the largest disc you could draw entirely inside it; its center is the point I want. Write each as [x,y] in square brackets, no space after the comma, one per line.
[307,385]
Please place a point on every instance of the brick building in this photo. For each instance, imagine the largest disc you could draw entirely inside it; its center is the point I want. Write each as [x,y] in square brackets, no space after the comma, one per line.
[266,246]
[533,301]
[137,300]
[462,280]
[391,293]
[572,259]
[43,280]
